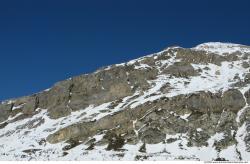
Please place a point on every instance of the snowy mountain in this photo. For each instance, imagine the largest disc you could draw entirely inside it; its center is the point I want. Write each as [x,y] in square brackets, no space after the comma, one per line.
[188,104]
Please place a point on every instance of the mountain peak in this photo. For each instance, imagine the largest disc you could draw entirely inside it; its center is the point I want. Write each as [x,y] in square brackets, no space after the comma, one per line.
[179,103]
[219,44]
[221,48]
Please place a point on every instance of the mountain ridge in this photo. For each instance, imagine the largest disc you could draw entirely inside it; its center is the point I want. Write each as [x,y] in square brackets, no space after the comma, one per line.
[162,106]
[197,47]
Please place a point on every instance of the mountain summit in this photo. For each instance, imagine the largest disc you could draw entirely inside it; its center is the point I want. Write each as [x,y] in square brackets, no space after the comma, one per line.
[180,103]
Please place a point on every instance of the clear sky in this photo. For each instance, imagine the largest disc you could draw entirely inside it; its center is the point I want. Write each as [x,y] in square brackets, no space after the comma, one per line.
[45,41]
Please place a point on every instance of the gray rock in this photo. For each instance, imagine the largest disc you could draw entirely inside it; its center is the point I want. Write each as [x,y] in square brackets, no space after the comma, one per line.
[5,110]
[152,136]
[247,78]
[204,102]
[247,95]
[198,57]
[29,104]
[245,65]
[233,100]
[181,69]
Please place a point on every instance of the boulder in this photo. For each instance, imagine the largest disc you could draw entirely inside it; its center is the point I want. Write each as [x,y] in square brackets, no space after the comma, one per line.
[59,111]
[181,69]
[233,100]
[152,136]
[204,102]
[245,64]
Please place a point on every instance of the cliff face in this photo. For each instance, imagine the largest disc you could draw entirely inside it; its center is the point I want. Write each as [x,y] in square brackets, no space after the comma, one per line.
[176,104]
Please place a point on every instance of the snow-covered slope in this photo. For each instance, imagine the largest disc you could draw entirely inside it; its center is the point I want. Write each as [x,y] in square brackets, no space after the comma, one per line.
[190,104]
[222,48]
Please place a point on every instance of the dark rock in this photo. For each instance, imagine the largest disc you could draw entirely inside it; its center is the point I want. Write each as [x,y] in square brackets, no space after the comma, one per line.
[245,64]
[71,144]
[233,100]
[31,151]
[116,142]
[143,148]
[65,153]
[198,139]
[247,78]
[247,95]
[42,142]
[2,125]
[204,102]
[170,140]
[141,157]
[91,147]
[220,159]
[152,136]
[181,69]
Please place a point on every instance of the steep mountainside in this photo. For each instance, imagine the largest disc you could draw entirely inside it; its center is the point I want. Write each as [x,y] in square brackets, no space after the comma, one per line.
[190,104]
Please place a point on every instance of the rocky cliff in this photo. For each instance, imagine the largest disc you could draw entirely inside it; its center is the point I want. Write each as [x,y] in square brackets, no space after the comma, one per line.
[190,104]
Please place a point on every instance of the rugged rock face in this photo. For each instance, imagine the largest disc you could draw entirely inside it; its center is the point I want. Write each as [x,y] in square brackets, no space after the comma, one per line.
[181,69]
[176,104]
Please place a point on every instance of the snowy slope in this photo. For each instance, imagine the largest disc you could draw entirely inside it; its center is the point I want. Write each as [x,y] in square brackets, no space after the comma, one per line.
[25,139]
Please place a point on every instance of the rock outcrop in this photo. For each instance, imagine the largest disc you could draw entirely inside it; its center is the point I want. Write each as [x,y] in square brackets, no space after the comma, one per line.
[176,104]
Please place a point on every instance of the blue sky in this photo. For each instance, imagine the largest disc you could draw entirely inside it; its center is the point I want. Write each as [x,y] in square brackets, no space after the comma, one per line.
[45,41]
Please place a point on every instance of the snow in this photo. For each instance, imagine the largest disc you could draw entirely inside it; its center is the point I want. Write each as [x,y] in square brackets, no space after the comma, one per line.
[199,129]
[142,66]
[8,102]
[185,116]
[216,137]
[155,148]
[136,131]
[229,153]
[243,90]
[159,151]
[204,153]
[14,117]
[47,90]
[208,80]
[18,107]
[222,48]
[240,135]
